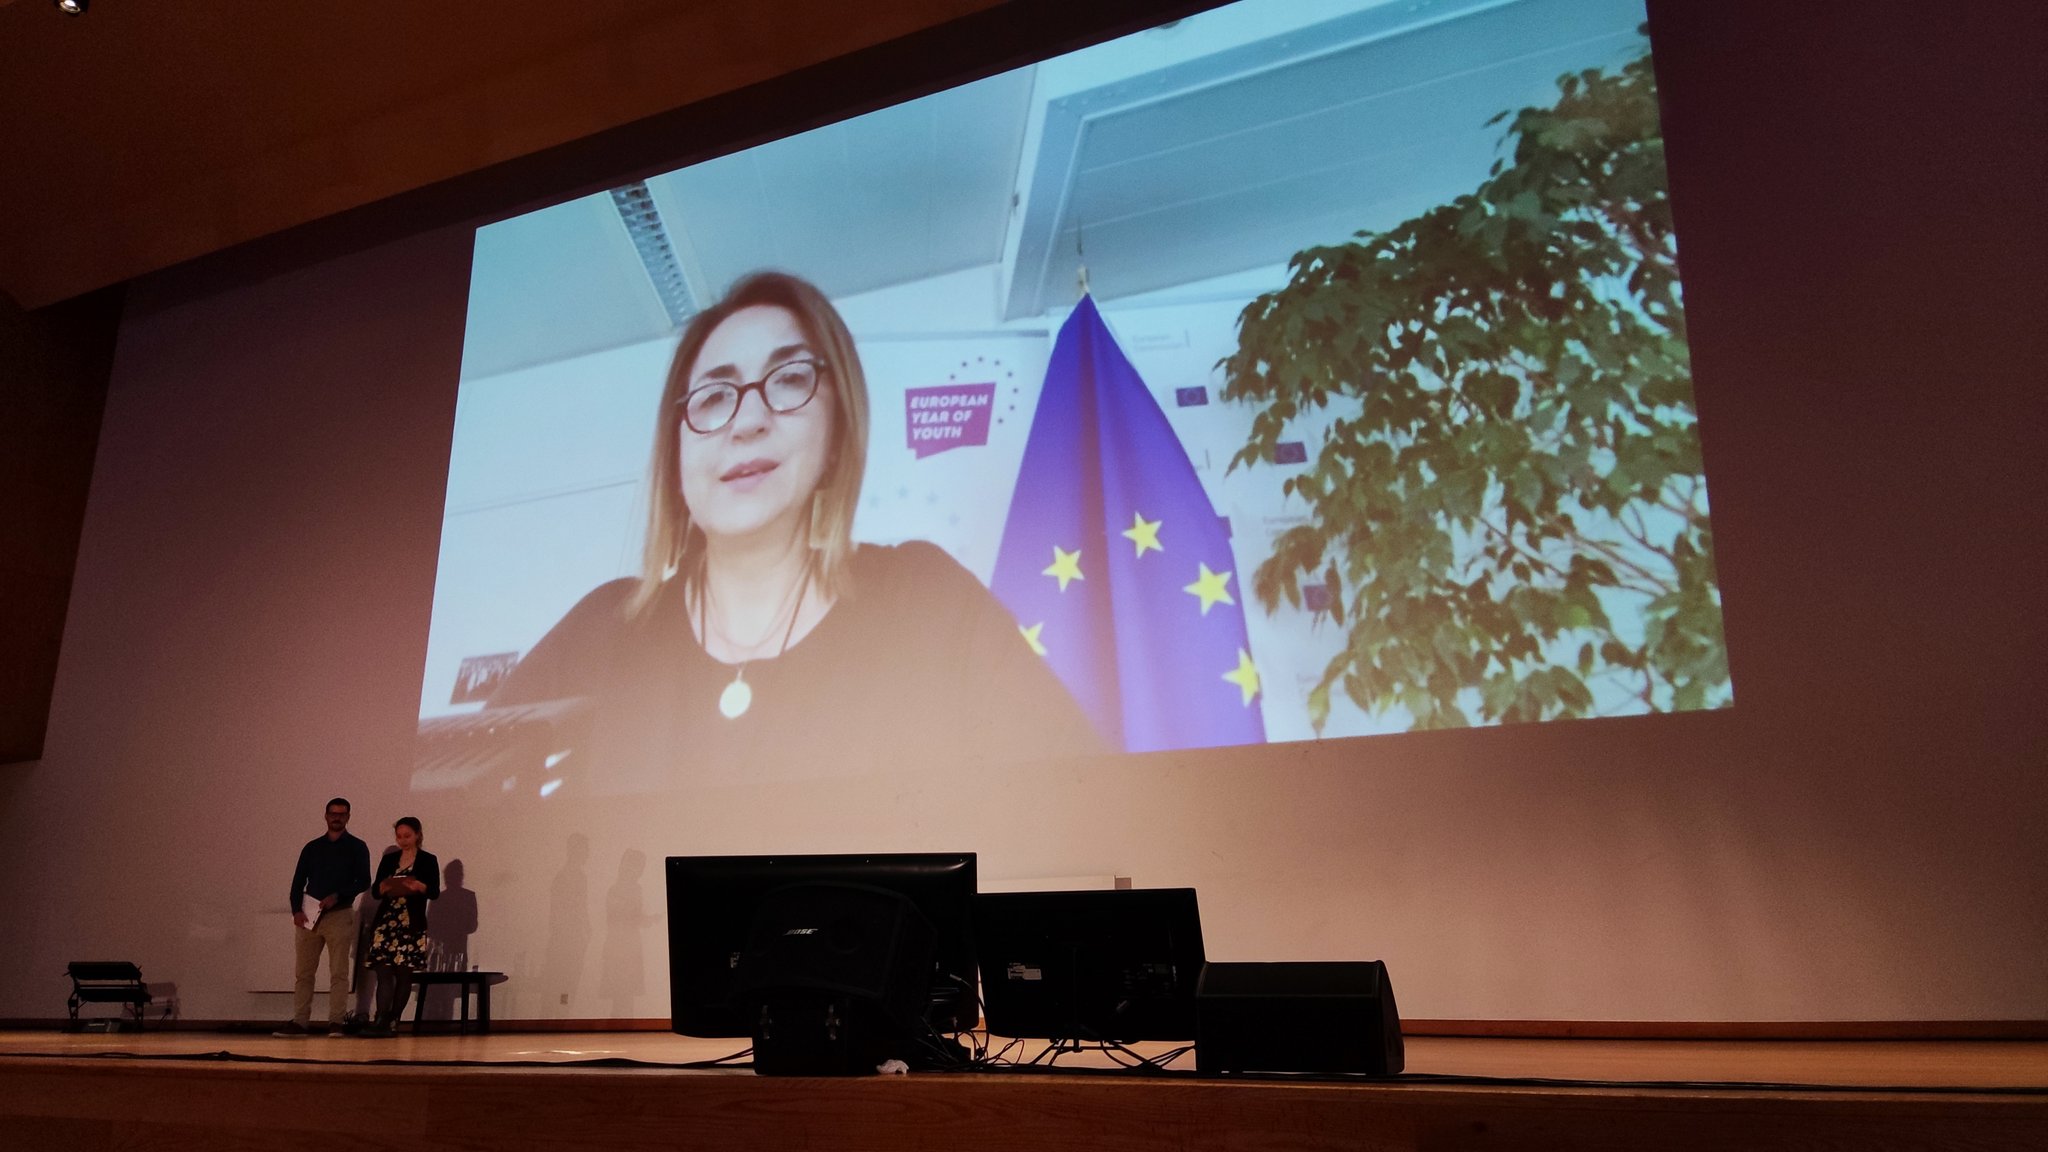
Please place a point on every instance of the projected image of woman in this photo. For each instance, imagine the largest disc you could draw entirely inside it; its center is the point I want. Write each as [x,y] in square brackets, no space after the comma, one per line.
[758,638]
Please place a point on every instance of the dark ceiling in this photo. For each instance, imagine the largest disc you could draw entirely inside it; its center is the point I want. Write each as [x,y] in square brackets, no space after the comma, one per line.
[145,133]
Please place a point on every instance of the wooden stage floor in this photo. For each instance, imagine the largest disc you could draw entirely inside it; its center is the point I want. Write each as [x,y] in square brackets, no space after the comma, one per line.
[621,1090]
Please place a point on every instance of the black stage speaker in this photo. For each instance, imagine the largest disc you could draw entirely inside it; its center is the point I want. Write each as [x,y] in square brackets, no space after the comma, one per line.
[837,979]
[1307,1017]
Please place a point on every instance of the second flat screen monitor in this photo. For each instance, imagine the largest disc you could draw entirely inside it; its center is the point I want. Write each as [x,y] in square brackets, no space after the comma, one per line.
[1113,966]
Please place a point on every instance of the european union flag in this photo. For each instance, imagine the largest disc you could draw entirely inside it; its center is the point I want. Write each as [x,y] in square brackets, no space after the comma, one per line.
[1116,566]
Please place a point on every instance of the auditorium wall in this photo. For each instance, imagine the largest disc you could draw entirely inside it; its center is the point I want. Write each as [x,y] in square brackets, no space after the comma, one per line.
[1859,837]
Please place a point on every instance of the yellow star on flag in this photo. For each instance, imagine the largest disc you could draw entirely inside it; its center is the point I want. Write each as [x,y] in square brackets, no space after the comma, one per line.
[1065,566]
[1211,587]
[1031,636]
[1143,533]
[1245,676]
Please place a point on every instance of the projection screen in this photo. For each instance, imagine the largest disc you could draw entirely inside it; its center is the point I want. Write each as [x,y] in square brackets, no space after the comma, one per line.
[1294,371]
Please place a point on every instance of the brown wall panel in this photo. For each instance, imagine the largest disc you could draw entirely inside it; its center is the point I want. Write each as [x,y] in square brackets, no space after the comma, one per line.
[142,135]
[53,382]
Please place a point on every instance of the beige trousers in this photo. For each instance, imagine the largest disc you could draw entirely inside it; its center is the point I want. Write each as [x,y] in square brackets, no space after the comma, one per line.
[336,932]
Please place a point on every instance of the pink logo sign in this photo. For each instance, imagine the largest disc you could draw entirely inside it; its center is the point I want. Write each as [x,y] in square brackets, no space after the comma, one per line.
[949,416]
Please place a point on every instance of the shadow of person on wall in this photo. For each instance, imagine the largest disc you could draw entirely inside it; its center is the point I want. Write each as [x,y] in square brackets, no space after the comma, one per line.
[623,977]
[449,927]
[561,967]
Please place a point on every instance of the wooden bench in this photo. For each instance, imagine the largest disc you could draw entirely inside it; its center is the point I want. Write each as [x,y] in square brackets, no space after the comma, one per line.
[464,983]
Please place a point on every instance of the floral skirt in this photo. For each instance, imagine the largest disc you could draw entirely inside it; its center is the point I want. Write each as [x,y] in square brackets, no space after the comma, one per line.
[397,939]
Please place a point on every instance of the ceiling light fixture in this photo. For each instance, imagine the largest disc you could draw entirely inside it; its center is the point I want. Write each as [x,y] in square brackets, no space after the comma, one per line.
[635,203]
[73,7]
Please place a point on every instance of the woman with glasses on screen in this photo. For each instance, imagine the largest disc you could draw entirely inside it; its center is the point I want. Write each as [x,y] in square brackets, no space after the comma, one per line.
[759,639]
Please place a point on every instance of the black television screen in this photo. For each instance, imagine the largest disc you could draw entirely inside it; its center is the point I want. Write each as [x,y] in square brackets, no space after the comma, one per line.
[1091,966]
[711,906]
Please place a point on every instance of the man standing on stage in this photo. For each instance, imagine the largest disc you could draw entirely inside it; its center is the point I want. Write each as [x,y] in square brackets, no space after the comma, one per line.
[333,870]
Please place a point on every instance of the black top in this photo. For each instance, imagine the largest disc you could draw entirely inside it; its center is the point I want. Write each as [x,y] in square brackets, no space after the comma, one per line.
[919,666]
[426,868]
[339,868]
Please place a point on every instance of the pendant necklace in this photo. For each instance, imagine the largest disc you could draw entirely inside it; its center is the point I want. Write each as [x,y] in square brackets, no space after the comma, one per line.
[738,696]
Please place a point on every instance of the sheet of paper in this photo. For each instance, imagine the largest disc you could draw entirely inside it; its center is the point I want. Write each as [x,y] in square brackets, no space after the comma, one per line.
[310,905]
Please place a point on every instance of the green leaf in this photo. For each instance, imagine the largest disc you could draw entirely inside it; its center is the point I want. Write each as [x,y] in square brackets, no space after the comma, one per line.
[1524,413]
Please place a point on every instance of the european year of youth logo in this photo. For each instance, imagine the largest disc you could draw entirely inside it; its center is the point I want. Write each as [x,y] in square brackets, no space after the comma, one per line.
[948,416]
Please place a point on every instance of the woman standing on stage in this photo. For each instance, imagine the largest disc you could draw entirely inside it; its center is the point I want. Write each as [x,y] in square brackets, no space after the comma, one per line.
[407,878]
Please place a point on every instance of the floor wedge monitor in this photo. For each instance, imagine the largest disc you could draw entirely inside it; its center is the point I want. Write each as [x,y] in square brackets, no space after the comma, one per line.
[1300,1017]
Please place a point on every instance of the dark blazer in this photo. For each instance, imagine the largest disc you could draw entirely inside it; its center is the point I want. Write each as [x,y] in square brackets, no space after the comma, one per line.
[426,868]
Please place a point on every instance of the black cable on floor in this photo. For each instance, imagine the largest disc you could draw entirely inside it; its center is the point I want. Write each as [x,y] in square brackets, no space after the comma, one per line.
[1149,1068]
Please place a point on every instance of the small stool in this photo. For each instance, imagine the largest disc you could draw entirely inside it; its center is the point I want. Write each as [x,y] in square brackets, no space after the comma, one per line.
[107,982]
[464,983]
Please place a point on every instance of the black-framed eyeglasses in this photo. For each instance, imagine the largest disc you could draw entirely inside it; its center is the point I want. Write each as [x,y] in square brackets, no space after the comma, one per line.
[787,387]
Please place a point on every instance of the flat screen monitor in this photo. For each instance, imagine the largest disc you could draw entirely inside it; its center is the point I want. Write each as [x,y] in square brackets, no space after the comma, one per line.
[1112,965]
[711,906]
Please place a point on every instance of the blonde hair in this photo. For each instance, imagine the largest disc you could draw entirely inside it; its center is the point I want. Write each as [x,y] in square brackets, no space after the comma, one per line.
[674,546]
